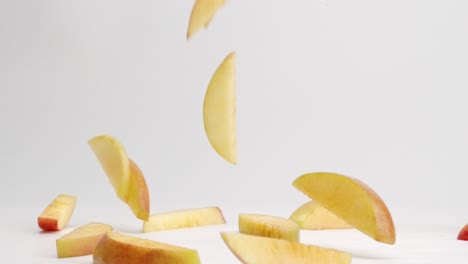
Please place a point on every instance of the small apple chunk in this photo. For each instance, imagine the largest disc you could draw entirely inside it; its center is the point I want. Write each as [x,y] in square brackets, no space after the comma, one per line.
[138,195]
[184,219]
[203,12]
[251,249]
[57,214]
[463,235]
[313,216]
[114,160]
[351,200]
[268,226]
[81,241]
[115,248]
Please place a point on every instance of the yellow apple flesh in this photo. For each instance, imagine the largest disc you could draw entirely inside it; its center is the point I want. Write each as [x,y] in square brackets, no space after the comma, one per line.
[268,226]
[115,248]
[251,249]
[352,201]
[138,195]
[81,241]
[114,160]
[184,219]
[313,216]
[219,110]
[57,214]
[203,12]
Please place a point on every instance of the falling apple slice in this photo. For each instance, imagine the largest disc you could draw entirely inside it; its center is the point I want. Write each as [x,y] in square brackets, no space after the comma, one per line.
[81,241]
[351,200]
[251,249]
[313,216]
[114,161]
[268,226]
[57,214]
[463,235]
[184,219]
[138,195]
[118,248]
[219,110]
[203,12]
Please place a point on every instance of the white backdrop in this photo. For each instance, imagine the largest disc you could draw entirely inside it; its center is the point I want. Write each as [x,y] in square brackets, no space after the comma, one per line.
[372,89]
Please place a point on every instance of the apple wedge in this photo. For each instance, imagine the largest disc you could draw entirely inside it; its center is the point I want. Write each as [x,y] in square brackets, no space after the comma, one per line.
[268,226]
[251,249]
[219,110]
[184,219]
[313,216]
[81,241]
[57,214]
[463,234]
[138,195]
[115,248]
[114,160]
[351,200]
[203,12]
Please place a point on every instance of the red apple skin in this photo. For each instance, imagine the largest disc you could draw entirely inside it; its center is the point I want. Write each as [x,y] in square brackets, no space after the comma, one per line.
[48,224]
[463,235]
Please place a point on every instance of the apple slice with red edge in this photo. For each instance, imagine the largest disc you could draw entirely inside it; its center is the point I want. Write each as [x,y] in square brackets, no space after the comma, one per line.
[57,214]
[250,249]
[351,200]
[138,195]
[115,248]
[184,219]
[81,241]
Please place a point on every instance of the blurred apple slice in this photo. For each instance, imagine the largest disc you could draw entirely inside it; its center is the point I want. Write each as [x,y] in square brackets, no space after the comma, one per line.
[81,241]
[114,160]
[351,200]
[138,195]
[203,12]
[463,234]
[184,219]
[57,214]
[116,248]
[268,226]
[219,110]
[313,216]
[251,249]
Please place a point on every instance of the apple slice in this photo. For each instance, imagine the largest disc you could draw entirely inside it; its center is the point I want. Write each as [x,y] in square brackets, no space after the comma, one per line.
[251,249]
[313,216]
[351,200]
[268,226]
[463,235]
[219,110]
[184,219]
[203,12]
[114,160]
[57,214]
[81,241]
[116,248]
[138,195]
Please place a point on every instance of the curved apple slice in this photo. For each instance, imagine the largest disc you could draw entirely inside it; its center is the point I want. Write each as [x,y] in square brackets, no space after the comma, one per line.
[81,241]
[268,226]
[203,12]
[57,214]
[351,200]
[118,248]
[219,110]
[251,249]
[312,216]
[114,160]
[138,195]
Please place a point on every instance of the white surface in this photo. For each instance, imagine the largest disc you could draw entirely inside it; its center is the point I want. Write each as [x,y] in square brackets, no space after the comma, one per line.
[372,89]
